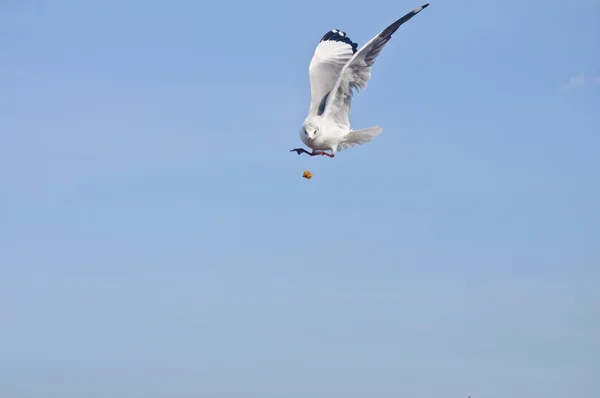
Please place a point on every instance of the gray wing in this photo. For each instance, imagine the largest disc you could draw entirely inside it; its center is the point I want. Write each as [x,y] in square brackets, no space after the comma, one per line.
[357,72]
[332,53]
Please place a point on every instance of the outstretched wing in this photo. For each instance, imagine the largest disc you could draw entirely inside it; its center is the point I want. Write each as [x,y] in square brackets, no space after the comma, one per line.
[355,74]
[331,54]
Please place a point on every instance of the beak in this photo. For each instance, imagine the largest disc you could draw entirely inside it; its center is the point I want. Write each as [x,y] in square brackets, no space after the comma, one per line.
[309,141]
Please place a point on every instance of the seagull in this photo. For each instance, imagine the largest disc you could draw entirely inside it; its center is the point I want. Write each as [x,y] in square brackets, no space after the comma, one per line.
[336,69]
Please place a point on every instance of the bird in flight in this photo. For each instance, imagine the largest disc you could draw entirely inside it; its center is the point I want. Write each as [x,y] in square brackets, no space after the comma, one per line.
[336,69]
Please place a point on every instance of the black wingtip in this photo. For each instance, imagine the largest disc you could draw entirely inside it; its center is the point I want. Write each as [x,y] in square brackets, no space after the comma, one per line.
[338,35]
[387,32]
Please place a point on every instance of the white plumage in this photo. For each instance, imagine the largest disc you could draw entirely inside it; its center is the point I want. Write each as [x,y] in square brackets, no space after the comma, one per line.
[336,70]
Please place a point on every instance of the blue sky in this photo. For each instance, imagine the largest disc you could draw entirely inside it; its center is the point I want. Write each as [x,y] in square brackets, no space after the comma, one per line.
[157,239]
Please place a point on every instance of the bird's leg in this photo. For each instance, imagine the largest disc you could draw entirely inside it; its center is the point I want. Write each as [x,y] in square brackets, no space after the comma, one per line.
[313,153]
[299,151]
[324,153]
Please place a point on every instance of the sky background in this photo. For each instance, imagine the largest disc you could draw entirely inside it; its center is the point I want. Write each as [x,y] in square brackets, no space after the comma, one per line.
[157,238]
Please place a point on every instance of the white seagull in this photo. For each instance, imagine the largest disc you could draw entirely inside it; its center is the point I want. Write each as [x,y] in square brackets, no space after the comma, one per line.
[336,69]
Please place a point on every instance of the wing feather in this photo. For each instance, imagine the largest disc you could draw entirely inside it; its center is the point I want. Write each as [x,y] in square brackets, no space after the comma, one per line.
[332,53]
[357,71]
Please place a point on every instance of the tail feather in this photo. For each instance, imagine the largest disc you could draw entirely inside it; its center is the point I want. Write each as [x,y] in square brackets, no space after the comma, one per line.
[359,137]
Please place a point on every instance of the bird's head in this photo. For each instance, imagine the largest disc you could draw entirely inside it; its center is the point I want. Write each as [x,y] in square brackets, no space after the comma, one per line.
[309,131]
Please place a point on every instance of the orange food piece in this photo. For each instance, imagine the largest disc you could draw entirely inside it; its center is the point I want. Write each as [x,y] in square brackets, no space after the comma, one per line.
[307,174]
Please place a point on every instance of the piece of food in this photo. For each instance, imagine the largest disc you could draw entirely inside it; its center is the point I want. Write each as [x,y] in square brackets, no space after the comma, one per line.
[307,174]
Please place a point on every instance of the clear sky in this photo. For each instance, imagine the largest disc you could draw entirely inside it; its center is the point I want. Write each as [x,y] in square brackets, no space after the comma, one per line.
[157,239]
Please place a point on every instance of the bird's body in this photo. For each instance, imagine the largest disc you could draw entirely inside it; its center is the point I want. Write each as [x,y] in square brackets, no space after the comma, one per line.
[337,69]
[332,133]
